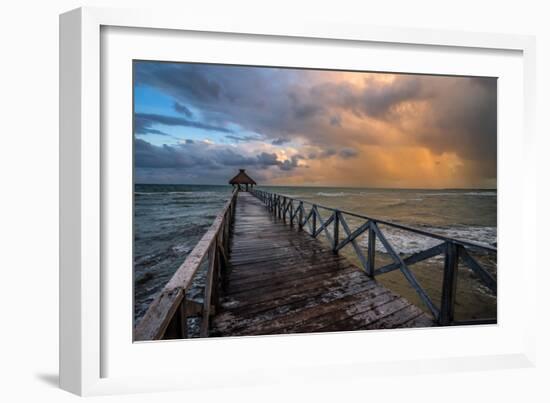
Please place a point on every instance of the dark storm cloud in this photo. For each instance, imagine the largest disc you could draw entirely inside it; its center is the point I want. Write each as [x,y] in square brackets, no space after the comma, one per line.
[255,99]
[144,123]
[330,114]
[344,153]
[373,100]
[289,165]
[205,158]
[243,138]
[348,153]
[285,104]
[267,159]
[465,121]
[183,110]
[187,78]
[328,153]
[336,120]
[279,141]
[461,115]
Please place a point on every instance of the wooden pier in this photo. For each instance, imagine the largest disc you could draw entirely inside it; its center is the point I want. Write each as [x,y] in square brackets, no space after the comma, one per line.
[284,281]
[268,274]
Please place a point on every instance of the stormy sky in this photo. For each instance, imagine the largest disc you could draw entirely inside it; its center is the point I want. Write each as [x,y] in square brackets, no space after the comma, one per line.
[200,123]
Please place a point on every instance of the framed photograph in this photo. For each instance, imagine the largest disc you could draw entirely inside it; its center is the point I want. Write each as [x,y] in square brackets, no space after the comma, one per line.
[243,197]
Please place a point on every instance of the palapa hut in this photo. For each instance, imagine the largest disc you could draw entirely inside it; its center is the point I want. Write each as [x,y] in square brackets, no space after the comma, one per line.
[242,179]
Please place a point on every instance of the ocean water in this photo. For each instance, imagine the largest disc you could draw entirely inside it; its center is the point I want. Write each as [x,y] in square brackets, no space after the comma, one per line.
[170,219]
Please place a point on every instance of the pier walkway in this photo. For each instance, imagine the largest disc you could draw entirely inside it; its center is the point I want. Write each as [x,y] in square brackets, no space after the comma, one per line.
[281,280]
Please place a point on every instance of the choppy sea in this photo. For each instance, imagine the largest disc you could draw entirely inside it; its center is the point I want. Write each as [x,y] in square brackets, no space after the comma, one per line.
[170,219]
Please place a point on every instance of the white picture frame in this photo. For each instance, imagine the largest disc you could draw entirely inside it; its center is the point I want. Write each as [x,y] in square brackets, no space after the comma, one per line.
[85,345]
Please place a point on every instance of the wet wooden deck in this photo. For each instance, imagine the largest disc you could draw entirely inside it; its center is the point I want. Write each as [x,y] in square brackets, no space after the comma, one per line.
[281,280]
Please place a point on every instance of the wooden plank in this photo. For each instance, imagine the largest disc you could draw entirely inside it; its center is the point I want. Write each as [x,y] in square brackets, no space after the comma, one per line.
[299,319]
[422,320]
[244,319]
[256,296]
[290,282]
[278,276]
[363,319]
[397,318]
[332,289]
[282,266]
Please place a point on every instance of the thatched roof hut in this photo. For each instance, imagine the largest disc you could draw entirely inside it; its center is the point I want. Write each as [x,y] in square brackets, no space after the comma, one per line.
[242,179]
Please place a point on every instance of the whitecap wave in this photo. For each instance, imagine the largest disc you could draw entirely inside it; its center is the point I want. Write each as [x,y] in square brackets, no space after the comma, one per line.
[328,194]
[406,242]
[483,194]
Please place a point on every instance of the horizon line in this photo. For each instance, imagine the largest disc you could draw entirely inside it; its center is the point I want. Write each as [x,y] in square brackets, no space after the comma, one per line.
[326,186]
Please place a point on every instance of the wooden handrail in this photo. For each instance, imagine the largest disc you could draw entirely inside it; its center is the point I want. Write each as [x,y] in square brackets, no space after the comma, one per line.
[453,249]
[463,242]
[166,317]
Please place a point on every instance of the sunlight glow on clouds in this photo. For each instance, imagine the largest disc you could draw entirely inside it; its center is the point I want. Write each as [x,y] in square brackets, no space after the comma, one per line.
[199,123]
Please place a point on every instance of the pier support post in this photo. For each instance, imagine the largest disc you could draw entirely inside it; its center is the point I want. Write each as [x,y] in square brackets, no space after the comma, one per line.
[448,295]
[301,216]
[314,220]
[336,234]
[371,251]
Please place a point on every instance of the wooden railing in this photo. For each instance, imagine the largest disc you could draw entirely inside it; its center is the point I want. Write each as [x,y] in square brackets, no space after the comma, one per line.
[167,315]
[455,250]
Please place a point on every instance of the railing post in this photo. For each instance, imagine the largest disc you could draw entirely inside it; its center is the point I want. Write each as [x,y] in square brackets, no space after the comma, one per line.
[314,220]
[301,216]
[336,234]
[216,276]
[209,287]
[183,317]
[448,295]
[284,209]
[371,250]
[291,210]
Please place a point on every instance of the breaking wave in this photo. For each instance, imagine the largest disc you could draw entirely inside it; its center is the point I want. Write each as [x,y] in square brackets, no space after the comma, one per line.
[327,194]
[405,242]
